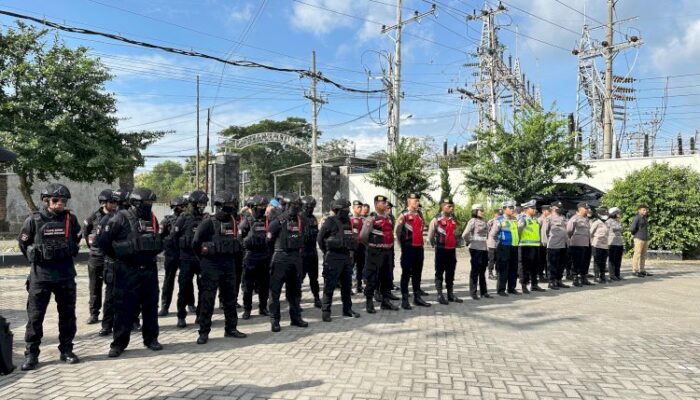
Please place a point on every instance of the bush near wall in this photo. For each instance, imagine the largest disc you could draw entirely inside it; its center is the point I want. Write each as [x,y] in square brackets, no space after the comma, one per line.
[673,197]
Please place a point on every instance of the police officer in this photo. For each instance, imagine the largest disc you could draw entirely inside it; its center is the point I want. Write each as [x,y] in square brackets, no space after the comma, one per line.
[474,236]
[599,243]
[96,258]
[131,237]
[185,226]
[49,240]
[615,244]
[529,234]
[443,236]
[256,261]
[542,258]
[309,255]
[216,242]
[286,234]
[579,230]
[378,236]
[554,228]
[337,241]
[409,232]
[492,244]
[171,253]
[505,232]
[356,221]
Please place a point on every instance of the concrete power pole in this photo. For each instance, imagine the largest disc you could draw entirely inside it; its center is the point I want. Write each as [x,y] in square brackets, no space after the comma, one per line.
[196,169]
[608,106]
[315,101]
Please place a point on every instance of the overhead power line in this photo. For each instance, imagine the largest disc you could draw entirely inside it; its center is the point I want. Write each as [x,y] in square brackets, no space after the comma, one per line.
[237,63]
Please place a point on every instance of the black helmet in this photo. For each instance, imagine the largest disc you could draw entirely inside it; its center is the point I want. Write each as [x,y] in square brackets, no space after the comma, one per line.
[308,201]
[291,197]
[339,204]
[223,197]
[178,201]
[55,190]
[120,195]
[198,196]
[259,201]
[249,202]
[141,195]
[105,196]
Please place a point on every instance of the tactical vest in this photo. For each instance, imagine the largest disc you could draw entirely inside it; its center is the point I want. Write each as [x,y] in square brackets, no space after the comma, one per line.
[142,239]
[531,233]
[291,235]
[445,228]
[52,239]
[412,233]
[508,236]
[382,234]
[169,240]
[225,239]
[256,240]
[356,224]
[92,236]
[344,238]
[311,232]
[191,224]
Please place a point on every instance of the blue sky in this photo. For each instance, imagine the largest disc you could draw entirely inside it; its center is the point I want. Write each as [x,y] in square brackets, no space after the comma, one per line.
[156,90]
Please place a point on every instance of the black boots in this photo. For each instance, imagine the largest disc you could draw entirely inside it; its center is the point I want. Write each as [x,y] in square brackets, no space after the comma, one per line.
[163,311]
[451,297]
[418,300]
[404,303]
[203,338]
[577,281]
[562,285]
[585,281]
[246,314]
[351,313]
[326,316]
[441,297]
[388,305]
[235,333]
[317,301]
[525,289]
[181,323]
[31,361]
[93,319]
[299,322]
[553,285]
[275,325]
[69,357]
[369,306]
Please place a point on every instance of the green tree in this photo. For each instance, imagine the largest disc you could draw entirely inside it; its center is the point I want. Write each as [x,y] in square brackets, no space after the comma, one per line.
[167,179]
[56,115]
[262,159]
[405,171]
[673,197]
[445,186]
[525,162]
[336,148]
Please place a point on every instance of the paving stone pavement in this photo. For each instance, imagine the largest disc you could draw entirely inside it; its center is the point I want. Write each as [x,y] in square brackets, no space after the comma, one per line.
[638,339]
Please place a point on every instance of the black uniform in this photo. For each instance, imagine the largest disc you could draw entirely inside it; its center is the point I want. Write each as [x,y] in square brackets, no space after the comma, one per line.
[134,243]
[96,261]
[50,241]
[108,306]
[309,256]
[256,261]
[171,253]
[216,242]
[286,232]
[183,231]
[337,241]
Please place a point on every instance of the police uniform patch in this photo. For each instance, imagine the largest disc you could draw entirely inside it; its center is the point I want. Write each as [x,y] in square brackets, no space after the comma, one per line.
[24,237]
[107,228]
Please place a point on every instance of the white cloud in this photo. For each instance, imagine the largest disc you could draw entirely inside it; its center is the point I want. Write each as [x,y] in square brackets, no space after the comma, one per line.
[680,53]
[319,21]
[242,14]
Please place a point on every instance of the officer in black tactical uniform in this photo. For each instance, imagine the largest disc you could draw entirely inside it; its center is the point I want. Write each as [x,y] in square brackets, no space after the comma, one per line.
[183,232]
[131,237]
[49,239]
[256,261]
[337,241]
[309,255]
[216,242]
[286,234]
[171,253]
[96,259]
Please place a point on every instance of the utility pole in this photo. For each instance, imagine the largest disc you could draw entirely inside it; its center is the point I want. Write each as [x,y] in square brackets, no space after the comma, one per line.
[395,78]
[608,106]
[315,101]
[196,169]
[206,155]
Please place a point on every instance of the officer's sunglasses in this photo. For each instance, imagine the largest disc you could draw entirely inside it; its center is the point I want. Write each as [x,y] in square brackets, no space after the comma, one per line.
[59,200]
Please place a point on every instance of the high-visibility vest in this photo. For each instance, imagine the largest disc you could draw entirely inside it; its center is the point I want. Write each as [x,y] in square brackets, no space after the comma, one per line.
[531,233]
[508,236]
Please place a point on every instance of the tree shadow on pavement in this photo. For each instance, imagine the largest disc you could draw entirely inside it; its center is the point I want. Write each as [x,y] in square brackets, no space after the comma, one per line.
[238,391]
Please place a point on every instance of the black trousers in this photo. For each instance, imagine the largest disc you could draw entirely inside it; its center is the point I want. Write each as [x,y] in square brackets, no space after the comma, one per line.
[134,287]
[189,269]
[507,265]
[445,265]
[615,260]
[219,274]
[171,265]
[285,271]
[600,261]
[108,306]
[477,275]
[256,274]
[378,271]
[238,258]
[411,268]
[39,294]
[542,261]
[492,259]
[96,264]
[530,264]
[309,268]
[337,269]
[578,257]
[556,260]
[587,261]
[359,257]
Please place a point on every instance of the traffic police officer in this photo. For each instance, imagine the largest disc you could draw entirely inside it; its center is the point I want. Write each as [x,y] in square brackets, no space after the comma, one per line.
[96,258]
[337,241]
[554,229]
[505,232]
[409,232]
[542,263]
[286,234]
[579,231]
[171,253]
[599,243]
[529,234]
[474,236]
[131,237]
[309,256]
[184,229]
[443,236]
[49,240]
[356,221]
[216,242]
[256,261]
